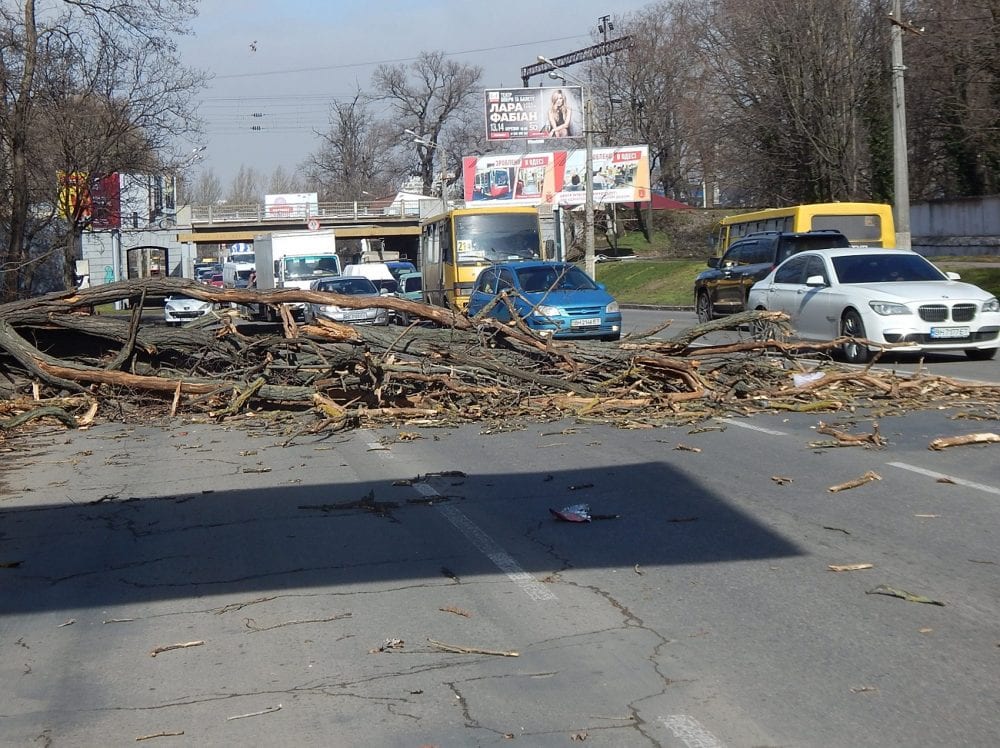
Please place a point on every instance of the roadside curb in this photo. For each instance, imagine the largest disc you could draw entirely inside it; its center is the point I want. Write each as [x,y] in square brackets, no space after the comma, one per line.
[658,307]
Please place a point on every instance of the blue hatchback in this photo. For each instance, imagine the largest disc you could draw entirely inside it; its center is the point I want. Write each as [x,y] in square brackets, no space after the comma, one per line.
[553,298]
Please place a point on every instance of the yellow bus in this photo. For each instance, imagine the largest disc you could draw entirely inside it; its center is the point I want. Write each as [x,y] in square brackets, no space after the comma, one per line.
[456,245]
[862,223]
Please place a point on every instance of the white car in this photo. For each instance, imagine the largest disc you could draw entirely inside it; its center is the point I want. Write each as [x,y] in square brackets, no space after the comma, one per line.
[348,286]
[179,309]
[893,298]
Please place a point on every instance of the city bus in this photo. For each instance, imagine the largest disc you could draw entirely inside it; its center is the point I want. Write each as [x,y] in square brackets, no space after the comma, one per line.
[867,224]
[457,244]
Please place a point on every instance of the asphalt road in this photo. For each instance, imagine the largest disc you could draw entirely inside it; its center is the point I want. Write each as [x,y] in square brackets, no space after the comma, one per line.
[328,598]
[639,321]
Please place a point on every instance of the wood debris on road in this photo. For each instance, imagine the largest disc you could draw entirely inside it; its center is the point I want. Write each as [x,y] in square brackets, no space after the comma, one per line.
[171,647]
[303,379]
[958,441]
[868,477]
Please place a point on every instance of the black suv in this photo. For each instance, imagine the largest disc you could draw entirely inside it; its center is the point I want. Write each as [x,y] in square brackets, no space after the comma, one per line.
[723,289]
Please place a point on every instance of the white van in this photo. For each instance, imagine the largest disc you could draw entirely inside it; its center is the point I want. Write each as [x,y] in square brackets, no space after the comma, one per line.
[377,272]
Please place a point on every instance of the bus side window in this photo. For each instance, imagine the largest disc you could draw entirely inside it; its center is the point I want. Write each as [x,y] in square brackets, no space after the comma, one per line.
[445,234]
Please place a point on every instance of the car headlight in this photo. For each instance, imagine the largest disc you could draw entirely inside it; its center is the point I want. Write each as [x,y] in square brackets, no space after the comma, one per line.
[547,311]
[886,308]
[612,307]
[330,309]
[991,305]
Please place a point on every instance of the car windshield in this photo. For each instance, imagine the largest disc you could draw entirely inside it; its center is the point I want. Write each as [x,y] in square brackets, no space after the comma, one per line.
[299,268]
[555,278]
[348,286]
[885,267]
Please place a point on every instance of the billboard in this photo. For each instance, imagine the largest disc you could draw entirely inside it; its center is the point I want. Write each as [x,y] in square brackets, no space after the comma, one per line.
[74,195]
[620,174]
[554,112]
[291,205]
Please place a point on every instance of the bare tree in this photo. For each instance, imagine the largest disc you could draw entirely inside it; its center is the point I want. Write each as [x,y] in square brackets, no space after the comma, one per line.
[426,98]
[245,189]
[953,98]
[206,189]
[805,100]
[103,83]
[356,155]
[282,181]
[655,92]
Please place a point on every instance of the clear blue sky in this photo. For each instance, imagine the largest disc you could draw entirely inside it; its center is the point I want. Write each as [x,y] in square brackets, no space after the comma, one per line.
[287,61]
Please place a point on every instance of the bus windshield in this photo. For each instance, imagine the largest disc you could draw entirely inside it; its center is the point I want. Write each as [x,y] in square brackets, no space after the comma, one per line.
[496,237]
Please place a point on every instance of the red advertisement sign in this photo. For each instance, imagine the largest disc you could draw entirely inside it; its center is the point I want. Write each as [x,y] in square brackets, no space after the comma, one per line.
[620,175]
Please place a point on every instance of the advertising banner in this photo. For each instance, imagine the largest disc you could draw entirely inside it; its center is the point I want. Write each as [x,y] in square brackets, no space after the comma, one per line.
[107,203]
[522,178]
[534,113]
[621,175]
[74,195]
[291,205]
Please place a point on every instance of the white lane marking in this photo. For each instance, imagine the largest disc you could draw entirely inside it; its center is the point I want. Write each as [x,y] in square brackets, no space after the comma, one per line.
[503,560]
[690,731]
[742,425]
[941,476]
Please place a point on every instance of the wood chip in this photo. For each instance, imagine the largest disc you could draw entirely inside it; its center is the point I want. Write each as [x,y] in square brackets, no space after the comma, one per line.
[849,567]
[169,647]
[781,480]
[460,649]
[269,710]
[883,589]
[160,735]
[868,477]
[958,441]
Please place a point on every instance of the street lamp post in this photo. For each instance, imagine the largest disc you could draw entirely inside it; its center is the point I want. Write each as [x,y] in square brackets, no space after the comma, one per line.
[588,218]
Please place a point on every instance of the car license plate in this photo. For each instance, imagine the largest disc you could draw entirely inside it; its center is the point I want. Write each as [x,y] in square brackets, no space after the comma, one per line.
[949,332]
[586,322]
[356,315]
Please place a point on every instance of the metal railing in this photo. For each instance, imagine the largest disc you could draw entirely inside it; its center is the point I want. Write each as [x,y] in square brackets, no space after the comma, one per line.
[259,212]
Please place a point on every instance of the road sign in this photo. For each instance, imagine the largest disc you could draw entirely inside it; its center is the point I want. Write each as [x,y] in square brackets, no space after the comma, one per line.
[313,224]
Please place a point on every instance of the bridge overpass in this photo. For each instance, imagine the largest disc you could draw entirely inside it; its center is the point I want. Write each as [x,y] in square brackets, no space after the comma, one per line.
[395,222]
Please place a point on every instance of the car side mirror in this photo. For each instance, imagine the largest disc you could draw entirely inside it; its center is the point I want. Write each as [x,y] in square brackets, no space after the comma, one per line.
[713,262]
[953,276]
[815,280]
[602,287]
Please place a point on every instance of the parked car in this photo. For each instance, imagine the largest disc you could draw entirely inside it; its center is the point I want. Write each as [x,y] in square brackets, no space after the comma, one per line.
[553,298]
[347,286]
[215,280]
[887,297]
[723,289]
[411,289]
[377,272]
[399,267]
[411,286]
[180,309]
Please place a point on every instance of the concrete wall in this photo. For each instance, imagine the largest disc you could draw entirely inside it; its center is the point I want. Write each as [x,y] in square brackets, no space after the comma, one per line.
[968,226]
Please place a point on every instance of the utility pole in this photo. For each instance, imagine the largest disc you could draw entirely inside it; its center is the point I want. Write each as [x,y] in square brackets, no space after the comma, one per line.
[589,257]
[900,169]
